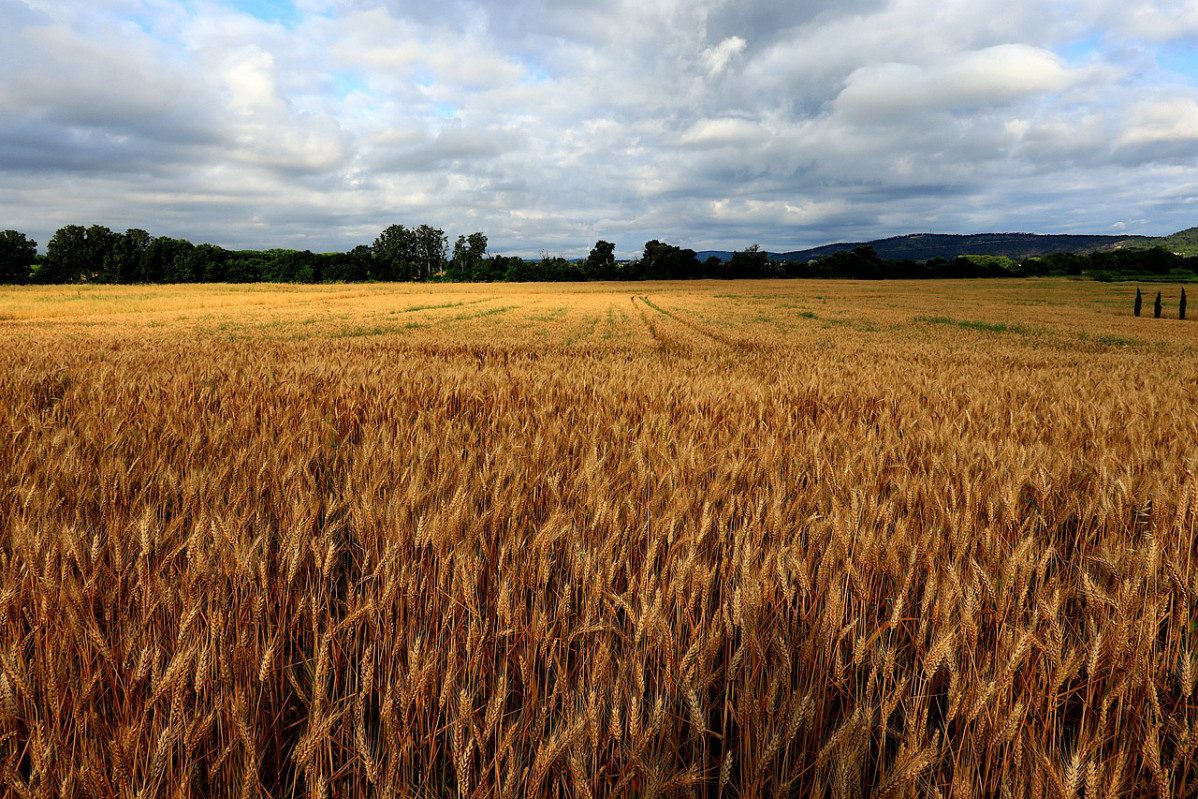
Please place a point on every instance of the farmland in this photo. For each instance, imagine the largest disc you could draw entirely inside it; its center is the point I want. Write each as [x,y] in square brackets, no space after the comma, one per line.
[643,539]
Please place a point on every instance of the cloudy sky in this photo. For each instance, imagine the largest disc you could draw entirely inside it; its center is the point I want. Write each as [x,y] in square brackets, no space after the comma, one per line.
[549,124]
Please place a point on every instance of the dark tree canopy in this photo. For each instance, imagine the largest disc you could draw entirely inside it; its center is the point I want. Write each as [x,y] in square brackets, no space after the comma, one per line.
[601,262]
[394,254]
[67,255]
[18,253]
[662,261]
[97,254]
[431,250]
[753,262]
[468,263]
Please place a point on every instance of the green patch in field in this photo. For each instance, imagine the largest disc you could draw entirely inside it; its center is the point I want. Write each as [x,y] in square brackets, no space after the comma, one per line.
[802,309]
[971,324]
[610,322]
[854,324]
[655,307]
[414,308]
[359,332]
[1110,341]
[585,332]
[480,314]
[556,313]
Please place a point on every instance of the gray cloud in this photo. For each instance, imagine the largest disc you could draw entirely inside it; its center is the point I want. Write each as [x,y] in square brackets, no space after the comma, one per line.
[548,124]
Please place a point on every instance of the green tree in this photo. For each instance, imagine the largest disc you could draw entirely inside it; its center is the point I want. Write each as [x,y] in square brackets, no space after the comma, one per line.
[207,263]
[126,255]
[556,269]
[469,253]
[511,268]
[170,260]
[350,266]
[395,254]
[431,250]
[17,254]
[751,262]
[308,267]
[358,263]
[100,267]
[661,261]
[601,262]
[1139,302]
[67,255]
[863,262]
[251,266]
[1157,306]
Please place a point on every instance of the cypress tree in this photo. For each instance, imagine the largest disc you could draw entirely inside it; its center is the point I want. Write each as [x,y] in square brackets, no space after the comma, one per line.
[1156,308]
[1139,302]
[1181,308]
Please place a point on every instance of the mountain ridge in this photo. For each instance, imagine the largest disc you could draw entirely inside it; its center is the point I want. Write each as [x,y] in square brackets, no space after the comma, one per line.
[1017,246]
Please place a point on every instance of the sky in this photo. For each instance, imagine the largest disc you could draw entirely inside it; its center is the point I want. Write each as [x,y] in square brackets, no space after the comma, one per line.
[548,125]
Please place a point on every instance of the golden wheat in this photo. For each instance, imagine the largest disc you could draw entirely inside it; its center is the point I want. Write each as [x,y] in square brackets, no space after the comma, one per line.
[712,539]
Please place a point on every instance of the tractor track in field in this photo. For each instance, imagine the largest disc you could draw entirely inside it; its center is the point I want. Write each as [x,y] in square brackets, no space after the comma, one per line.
[662,340]
[735,344]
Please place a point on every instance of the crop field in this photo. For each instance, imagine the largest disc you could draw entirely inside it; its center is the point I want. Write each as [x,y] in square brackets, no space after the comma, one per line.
[740,539]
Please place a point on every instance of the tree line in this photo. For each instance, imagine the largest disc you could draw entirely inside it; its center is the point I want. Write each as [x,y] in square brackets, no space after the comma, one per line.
[96,254]
[1157,306]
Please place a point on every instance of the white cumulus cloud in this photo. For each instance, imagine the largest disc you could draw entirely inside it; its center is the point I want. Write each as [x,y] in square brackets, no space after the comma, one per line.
[550,123]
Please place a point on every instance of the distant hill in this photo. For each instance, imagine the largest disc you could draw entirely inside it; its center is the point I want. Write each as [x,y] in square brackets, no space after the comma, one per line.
[924,246]
[1184,242]
[723,255]
[1018,246]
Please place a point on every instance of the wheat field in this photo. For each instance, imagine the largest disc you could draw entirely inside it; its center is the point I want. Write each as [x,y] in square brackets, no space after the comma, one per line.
[743,539]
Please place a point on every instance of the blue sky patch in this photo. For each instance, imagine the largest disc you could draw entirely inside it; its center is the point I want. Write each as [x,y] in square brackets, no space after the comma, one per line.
[1082,50]
[1179,59]
[346,83]
[282,12]
[535,75]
